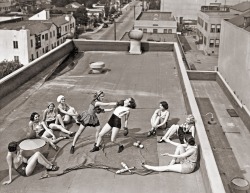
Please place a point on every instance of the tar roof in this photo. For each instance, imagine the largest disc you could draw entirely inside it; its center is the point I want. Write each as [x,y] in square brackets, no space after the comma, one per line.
[239,20]
[160,16]
[243,6]
[35,27]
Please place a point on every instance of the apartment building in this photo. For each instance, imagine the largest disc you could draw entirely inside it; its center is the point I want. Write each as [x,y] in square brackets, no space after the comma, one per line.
[156,22]
[5,6]
[28,40]
[234,57]
[209,27]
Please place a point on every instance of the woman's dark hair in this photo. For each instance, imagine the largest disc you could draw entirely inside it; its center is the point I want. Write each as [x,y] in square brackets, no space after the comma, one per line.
[132,103]
[98,94]
[50,103]
[164,104]
[12,146]
[33,115]
[189,139]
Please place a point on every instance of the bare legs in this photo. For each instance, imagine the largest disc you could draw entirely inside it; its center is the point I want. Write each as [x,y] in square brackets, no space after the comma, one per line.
[105,130]
[67,118]
[154,122]
[34,159]
[47,137]
[171,131]
[172,167]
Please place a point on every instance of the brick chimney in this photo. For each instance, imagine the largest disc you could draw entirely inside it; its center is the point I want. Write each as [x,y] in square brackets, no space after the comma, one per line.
[246,20]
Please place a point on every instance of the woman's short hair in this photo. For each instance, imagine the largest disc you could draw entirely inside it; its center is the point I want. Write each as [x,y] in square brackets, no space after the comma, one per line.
[164,104]
[51,103]
[190,119]
[189,139]
[132,103]
[12,146]
[33,115]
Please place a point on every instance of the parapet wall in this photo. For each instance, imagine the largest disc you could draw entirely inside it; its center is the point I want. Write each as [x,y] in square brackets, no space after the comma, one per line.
[94,45]
[12,81]
[208,166]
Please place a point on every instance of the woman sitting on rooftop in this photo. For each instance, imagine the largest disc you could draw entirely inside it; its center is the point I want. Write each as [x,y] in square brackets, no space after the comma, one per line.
[22,165]
[42,131]
[159,118]
[188,128]
[186,153]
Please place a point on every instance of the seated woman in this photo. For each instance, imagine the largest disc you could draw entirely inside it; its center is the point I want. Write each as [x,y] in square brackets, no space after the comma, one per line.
[53,120]
[22,165]
[114,123]
[188,128]
[159,118]
[66,111]
[187,154]
[42,131]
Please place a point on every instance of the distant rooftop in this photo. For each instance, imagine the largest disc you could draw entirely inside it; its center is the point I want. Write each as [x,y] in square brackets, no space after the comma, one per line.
[215,8]
[240,20]
[160,16]
[35,26]
[242,7]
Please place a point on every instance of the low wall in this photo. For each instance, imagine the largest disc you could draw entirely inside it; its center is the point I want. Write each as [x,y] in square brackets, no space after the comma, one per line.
[104,45]
[22,75]
[201,75]
[241,109]
[208,166]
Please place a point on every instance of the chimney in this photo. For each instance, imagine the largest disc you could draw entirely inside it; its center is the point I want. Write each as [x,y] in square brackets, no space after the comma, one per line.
[67,17]
[47,15]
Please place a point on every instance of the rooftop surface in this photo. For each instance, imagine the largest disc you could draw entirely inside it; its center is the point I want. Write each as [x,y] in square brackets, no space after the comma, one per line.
[148,79]
[158,16]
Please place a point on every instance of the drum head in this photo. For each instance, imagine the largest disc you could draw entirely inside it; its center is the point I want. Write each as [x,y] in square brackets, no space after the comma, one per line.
[31,144]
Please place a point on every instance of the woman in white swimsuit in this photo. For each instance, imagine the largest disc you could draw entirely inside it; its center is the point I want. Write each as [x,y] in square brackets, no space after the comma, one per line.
[114,123]
[159,118]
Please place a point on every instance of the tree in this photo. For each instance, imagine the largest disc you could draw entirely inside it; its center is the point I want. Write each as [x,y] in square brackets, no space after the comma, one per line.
[81,16]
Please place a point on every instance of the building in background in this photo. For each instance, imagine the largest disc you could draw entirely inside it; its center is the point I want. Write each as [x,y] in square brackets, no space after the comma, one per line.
[189,9]
[28,40]
[234,56]
[156,22]
[209,27]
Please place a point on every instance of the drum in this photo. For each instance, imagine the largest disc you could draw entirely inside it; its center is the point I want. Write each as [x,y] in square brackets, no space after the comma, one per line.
[31,146]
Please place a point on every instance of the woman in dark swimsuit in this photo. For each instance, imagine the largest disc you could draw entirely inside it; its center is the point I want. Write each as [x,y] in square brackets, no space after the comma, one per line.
[22,165]
[89,117]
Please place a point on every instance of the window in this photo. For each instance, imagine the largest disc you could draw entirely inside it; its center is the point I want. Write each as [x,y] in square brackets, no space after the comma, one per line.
[206,26]
[211,44]
[31,43]
[217,43]
[66,28]
[50,34]
[218,28]
[37,55]
[46,36]
[54,33]
[32,57]
[212,28]
[15,44]
[43,50]
[16,58]
[205,41]
[144,30]
[42,37]
[165,31]
[155,31]
[169,31]
[58,43]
